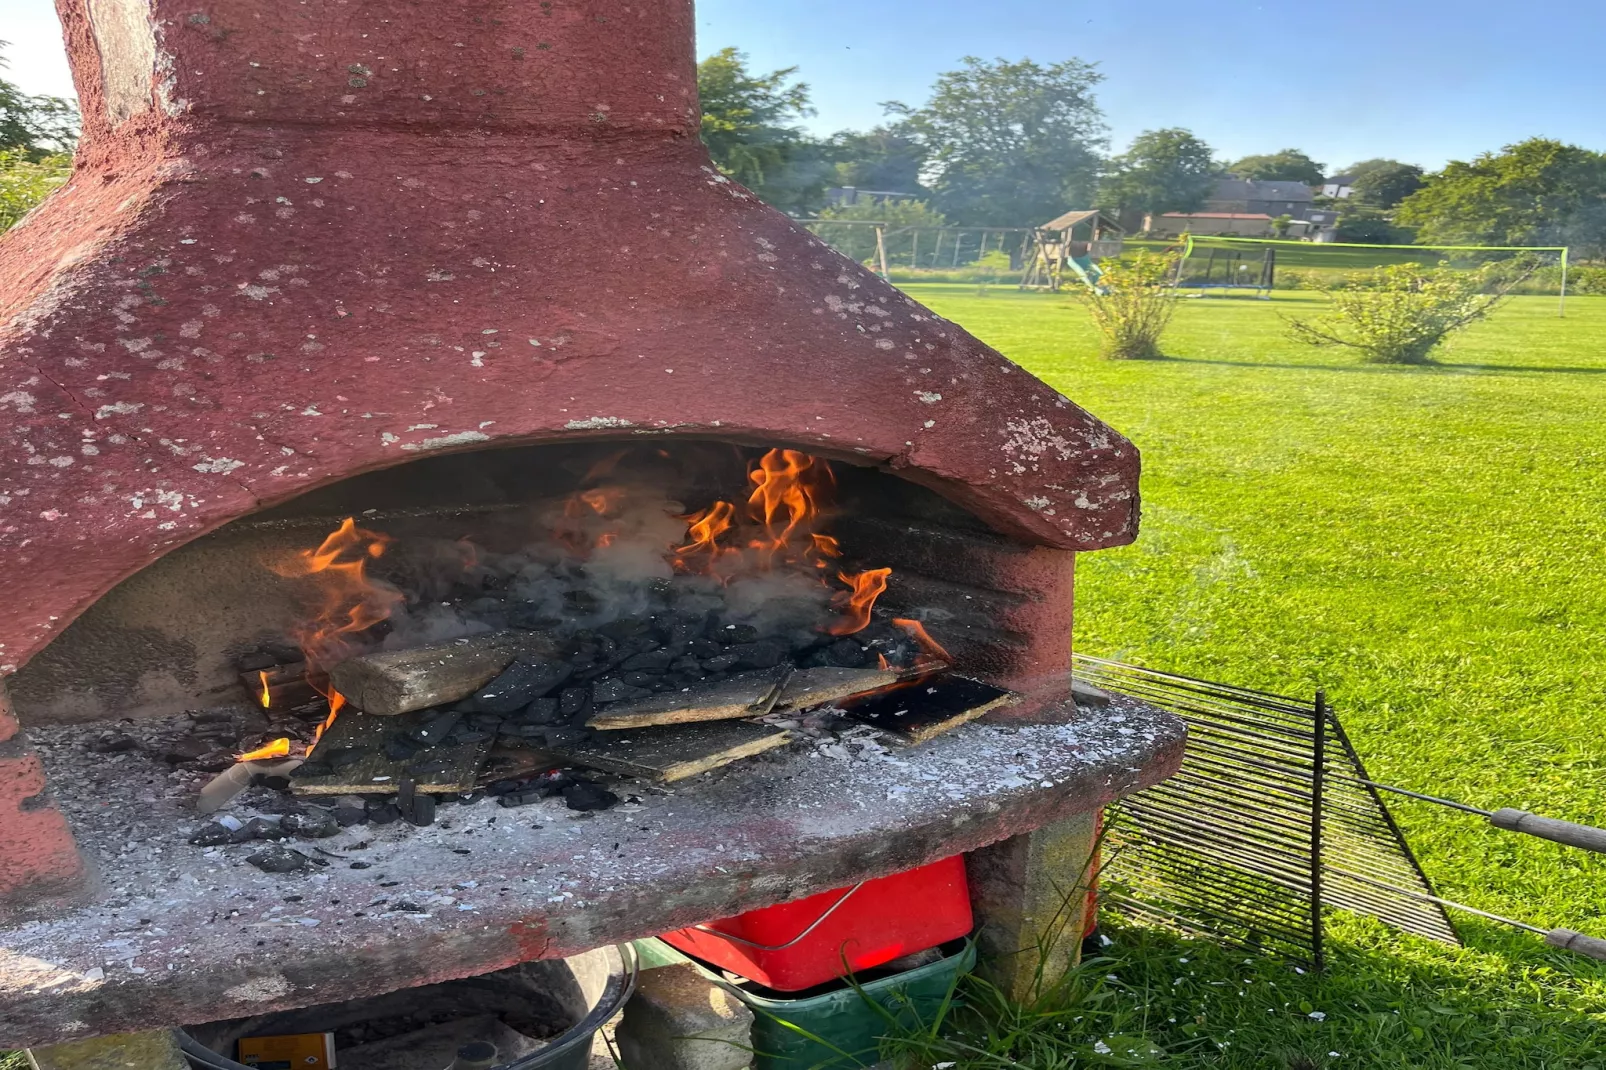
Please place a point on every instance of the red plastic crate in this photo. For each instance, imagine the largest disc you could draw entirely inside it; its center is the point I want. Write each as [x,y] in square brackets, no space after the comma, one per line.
[797,945]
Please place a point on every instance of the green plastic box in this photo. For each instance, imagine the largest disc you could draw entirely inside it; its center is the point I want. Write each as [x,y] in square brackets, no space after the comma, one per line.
[837,1030]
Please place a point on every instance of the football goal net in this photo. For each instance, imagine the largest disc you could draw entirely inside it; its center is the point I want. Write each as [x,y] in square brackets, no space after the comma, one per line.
[1255,267]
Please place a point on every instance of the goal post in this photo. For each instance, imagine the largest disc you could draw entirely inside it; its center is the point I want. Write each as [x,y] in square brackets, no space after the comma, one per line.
[1287,264]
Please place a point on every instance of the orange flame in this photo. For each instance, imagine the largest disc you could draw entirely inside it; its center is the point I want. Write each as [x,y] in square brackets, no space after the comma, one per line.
[267,692]
[279,748]
[867,587]
[787,486]
[932,654]
[349,603]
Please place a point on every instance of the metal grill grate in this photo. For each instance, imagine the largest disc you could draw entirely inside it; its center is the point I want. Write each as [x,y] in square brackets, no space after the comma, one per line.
[1269,820]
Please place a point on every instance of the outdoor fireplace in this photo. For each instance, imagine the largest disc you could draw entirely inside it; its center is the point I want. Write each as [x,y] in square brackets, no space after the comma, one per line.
[351,266]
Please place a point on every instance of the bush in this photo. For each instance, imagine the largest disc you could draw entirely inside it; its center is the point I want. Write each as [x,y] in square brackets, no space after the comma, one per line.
[25,182]
[1399,313]
[1135,302]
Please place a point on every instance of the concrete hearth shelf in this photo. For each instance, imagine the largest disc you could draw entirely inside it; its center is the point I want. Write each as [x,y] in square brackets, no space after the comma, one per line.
[182,934]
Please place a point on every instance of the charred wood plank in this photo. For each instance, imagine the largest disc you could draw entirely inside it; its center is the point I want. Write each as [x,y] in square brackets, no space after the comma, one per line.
[392,682]
[750,694]
[922,709]
[668,754]
[817,687]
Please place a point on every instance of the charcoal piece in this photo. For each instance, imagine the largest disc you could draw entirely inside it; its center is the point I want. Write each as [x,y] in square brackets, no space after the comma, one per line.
[435,730]
[733,634]
[518,730]
[400,748]
[212,835]
[642,679]
[573,702]
[274,782]
[652,661]
[113,743]
[686,664]
[260,828]
[347,816]
[464,736]
[581,602]
[683,630]
[722,663]
[185,749]
[847,654]
[310,825]
[585,795]
[542,711]
[529,617]
[521,798]
[422,812]
[256,661]
[761,655]
[388,814]
[929,707]
[560,735]
[607,647]
[362,865]
[487,722]
[521,684]
[617,691]
[279,860]
[505,787]
[640,644]
[704,648]
[625,628]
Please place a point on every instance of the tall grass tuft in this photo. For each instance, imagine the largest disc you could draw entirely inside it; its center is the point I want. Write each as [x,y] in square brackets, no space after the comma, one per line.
[1133,305]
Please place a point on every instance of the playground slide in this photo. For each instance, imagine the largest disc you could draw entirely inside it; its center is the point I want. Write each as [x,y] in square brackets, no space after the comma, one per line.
[1087,271]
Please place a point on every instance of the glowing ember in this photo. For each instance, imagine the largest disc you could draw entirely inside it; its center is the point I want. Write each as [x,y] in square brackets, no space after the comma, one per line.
[279,748]
[857,604]
[267,693]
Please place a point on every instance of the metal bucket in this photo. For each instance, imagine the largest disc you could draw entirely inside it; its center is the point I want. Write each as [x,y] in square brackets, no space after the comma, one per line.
[591,988]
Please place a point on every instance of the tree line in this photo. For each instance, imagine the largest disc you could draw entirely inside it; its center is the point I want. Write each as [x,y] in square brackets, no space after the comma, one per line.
[1014,143]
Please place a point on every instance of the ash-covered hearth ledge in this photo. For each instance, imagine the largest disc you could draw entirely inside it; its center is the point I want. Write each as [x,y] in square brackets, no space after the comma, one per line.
[185,934]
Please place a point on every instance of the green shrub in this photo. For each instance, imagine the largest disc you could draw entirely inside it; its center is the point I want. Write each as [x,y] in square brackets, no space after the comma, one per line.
[1399,313]
[25,182]
[1134,305]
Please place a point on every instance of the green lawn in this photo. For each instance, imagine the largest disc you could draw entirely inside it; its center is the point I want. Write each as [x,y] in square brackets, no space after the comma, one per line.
[1429,545]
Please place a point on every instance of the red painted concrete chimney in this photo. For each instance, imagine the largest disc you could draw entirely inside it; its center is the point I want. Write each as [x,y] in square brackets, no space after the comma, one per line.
[312,238]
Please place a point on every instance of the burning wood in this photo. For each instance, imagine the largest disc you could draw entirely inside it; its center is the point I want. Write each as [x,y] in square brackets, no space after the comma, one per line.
[819,686]
[747,695]
[666,755]
[393,682]
[918,710]
[362,754]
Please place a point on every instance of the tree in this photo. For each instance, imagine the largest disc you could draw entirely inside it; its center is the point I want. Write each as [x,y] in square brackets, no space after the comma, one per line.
[1368,224]
[1010,143]
[1399,313]
[1162,171]
[750,128]
[1288,165]
[885,158]
[1537,192]
[1384,183]
[39,126]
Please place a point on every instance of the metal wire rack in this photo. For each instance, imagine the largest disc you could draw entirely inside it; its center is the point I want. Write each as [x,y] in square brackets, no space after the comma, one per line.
[1271,819]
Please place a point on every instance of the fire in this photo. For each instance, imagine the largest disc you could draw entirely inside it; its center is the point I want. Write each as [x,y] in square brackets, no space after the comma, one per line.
[787,486]
[267,692]
[349,602]
[279,748]
[857,604]
[932,654]
[703,529]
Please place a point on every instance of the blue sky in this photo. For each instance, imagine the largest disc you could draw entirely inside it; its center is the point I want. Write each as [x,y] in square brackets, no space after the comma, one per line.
[1418,80]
